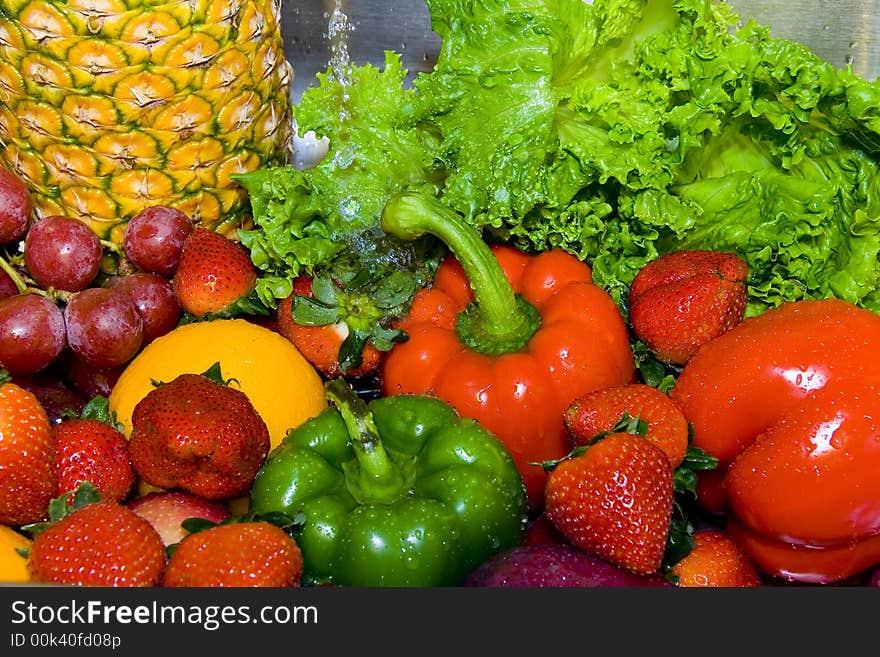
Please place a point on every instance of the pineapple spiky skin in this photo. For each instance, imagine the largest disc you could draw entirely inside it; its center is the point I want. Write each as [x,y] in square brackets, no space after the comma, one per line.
[109,106]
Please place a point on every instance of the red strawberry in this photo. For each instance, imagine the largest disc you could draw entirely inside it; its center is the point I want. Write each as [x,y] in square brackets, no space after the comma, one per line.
[684,299]
[199,435]
[212,274]
[27,455]
[614,500]
[243,554]
[99,544]
[91,450]
[320,345]
[601,410]
[716,560]
[166,510]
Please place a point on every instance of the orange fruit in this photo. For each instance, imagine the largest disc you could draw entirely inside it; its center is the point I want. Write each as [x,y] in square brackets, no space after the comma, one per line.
[285,389]
[13,566]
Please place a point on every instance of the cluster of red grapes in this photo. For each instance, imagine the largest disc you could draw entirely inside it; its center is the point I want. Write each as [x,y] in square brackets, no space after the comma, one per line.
[56,302]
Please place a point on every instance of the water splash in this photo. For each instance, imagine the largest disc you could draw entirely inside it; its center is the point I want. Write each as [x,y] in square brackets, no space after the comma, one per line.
[338,29]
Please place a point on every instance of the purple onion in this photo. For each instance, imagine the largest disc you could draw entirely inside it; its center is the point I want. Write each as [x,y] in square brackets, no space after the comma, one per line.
[549,565]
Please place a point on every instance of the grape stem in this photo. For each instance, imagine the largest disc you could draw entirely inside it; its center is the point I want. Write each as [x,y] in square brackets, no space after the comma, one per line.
[20,285]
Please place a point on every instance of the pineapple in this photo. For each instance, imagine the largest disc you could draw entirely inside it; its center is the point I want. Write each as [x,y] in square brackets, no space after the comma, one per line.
[109,106]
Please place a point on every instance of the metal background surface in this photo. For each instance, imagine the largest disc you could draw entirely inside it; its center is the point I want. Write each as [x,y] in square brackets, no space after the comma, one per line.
[840,31]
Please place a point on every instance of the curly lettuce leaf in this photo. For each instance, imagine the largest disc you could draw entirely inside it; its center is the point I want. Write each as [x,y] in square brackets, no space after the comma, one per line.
[498,95]
[617,130]
[772,174]
[304,219]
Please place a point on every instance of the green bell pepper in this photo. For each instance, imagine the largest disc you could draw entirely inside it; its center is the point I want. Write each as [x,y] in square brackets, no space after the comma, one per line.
[398,492]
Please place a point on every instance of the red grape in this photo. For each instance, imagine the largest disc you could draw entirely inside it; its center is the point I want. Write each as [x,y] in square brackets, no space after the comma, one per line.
[16,206]
[62,253]
[154,298]
[154,237]
[91,381]
[56,398]
[32,333]
[104,328]
[7,285]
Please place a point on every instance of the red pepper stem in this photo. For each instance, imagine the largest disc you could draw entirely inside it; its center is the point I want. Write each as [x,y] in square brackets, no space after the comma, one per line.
[377,479]
[499,321]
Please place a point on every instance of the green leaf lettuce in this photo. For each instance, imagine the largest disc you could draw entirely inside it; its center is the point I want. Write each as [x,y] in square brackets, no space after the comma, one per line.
[617,130]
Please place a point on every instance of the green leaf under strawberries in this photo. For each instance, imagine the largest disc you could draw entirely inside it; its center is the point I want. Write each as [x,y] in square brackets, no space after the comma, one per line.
[250,305]
[696,459]
[289,523]
[351,350]
[394,290]
[213,373]
[366,302]
[652,371]
[626,424]
[629,424]
[325,290]
[312,312]
[62,506]
[680,540]
[97,408]
[285,521]
[385,338]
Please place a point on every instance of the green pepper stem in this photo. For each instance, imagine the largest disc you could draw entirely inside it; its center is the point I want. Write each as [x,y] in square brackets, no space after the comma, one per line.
[499,321]
[378,480]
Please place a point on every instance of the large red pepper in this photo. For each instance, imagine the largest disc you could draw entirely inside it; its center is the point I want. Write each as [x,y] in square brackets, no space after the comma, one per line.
[789,403]
[506,338]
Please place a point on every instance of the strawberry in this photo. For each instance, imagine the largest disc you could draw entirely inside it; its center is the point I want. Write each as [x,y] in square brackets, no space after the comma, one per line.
[97,543]
[344,324]
[682,300]
[614,500]
[715,560]
[27,455]
[213,273]
[198,434]
[239,554]
[166,510]
[321,344]
[88,449]
[601,410]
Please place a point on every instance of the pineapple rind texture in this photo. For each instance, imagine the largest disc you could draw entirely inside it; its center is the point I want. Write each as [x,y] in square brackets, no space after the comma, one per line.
[110,106]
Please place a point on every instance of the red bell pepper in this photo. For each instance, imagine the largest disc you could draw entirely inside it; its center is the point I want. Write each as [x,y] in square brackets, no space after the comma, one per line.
[506,338]
[806,563]
[789,402]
